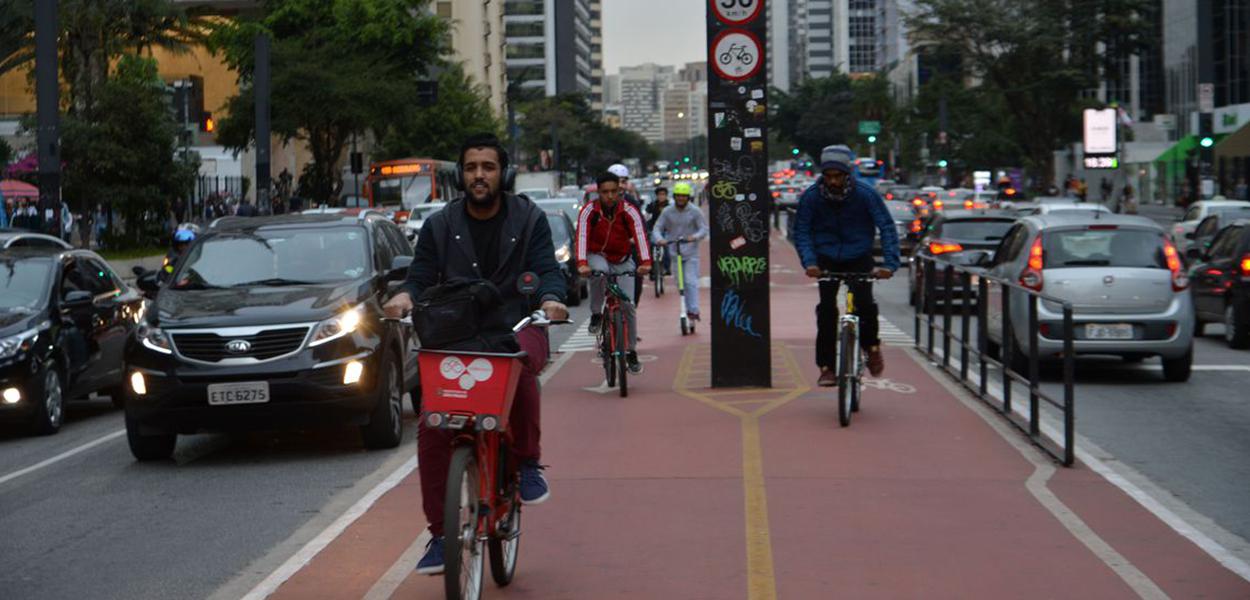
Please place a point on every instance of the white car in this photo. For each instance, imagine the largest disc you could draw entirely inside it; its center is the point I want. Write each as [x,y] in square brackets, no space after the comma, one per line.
[1201,210]
[1089,208]
[417,217]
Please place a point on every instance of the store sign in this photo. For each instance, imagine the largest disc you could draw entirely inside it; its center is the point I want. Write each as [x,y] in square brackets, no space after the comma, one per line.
[737,186]
[1228,119]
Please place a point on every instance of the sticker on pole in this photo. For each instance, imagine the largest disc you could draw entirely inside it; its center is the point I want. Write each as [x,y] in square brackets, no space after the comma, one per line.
[736,54]
[736,12]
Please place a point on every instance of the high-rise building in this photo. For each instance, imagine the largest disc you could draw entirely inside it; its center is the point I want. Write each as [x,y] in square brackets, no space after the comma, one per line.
[596,55]
[477,41]
[642,99]
[549,45]
[844,36]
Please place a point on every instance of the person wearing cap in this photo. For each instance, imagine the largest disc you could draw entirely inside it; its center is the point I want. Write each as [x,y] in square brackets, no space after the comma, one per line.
[683,223]
[837,220]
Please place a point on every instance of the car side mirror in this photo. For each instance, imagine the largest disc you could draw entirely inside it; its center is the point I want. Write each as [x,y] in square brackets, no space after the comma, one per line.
[147,282]
[77,300]
[399,268]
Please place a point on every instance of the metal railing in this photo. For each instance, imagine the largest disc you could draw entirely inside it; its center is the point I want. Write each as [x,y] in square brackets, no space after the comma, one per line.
[938,307]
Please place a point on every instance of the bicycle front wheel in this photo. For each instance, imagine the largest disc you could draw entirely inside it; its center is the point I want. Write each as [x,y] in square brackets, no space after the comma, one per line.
[463,553]
[505,545]
[846,365]
[606,350]
[618,325]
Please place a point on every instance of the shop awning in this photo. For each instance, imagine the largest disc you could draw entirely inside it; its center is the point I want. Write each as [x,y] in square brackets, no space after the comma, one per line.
[1179,150]
[1236,143]
[12,188]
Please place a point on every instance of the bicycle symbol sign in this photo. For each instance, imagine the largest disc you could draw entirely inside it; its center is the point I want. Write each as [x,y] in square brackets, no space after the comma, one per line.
[736,54]
[736,12]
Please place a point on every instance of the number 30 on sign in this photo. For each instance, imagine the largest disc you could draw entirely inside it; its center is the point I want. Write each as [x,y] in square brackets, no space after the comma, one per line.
[736,12]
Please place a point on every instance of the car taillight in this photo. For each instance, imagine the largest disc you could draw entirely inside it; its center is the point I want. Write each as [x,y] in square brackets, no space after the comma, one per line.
[968,204]
[938,204]
[916,226]
[776,194]
[1245,266]
[1032,276]
[889,196]
[917,202]
[1173,258]
[940,247]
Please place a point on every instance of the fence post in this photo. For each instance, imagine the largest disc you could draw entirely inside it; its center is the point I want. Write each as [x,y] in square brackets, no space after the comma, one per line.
[919,302]
[1069,399]
[965,325]
[1034,410]
[1007,351]
[930,272]
[948,276]
[983,290]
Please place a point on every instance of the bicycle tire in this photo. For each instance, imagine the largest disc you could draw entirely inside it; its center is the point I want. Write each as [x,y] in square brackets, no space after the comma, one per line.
[846,362]
[505,546]
[618,325]
[605,351]
[857,385]
[460,512]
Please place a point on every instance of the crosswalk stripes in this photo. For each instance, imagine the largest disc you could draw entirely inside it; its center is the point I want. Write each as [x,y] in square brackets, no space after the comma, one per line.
[891,335]
[581,340]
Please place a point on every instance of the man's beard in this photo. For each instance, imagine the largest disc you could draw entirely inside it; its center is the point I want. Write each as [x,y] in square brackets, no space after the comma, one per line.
[491,195]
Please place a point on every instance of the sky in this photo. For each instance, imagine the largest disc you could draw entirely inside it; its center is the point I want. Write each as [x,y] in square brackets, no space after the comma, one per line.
[665,32]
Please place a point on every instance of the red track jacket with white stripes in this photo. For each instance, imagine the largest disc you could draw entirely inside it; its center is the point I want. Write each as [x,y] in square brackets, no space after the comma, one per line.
[611,234]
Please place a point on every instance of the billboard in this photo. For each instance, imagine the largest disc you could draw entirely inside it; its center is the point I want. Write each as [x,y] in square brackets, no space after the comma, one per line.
[1100,138]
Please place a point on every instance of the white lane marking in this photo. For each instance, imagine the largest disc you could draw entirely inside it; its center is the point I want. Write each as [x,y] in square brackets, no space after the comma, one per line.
[62,456]
[1043,470]
[1159,508]
[385,586]
[314,546]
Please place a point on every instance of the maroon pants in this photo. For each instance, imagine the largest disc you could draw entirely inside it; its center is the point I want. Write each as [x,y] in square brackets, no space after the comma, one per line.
[434,445]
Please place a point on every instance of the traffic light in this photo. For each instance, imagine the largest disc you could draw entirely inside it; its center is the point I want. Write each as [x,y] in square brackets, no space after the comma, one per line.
[1206,142]
[872,139]
[208,124]
[794,151]
[942,163]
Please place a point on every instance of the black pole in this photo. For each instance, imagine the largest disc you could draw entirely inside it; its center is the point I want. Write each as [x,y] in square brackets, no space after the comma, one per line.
[260,89]
[48,119]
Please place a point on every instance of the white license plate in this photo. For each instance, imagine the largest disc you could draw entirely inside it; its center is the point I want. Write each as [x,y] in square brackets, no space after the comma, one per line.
[1116,331]
[238,393]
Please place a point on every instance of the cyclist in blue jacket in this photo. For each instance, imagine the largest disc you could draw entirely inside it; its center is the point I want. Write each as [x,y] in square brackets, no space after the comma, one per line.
[837,220]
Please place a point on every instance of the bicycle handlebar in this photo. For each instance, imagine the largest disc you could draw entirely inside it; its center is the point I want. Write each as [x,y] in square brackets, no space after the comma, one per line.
[613,275]
[538,318]
[836,276]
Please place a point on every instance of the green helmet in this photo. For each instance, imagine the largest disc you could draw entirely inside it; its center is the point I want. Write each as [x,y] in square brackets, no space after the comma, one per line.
[683,189]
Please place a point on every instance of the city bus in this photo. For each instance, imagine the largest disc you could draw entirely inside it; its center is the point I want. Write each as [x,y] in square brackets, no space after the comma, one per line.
[399,185]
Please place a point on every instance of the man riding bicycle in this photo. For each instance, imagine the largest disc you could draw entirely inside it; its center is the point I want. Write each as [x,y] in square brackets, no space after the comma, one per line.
[833,232]
[653,215]
[684,223]
[487,234]
[607,230]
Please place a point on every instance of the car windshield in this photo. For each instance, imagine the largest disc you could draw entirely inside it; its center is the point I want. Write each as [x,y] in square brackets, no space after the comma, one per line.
[568,205]
[281,257]
[1104,247]
[23,283]
[559,231]
[425,210]
[976,230]
[537,194]
[408,191]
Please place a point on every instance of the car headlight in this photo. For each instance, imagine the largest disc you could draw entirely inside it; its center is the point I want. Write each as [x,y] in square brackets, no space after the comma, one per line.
[154,338]
[338,326]
[562,253]
[16,344]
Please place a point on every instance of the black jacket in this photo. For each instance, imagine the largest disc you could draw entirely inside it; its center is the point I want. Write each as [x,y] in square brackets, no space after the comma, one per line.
[445,251]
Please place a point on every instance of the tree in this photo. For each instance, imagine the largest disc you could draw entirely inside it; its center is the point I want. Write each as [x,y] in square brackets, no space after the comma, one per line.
[94,34]
[339,67]
[121,152]
[815,114]
[462,109]
[1040,58]
[586,144]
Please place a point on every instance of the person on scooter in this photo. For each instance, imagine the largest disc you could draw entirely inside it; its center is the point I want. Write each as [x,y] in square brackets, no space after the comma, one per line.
[684,223]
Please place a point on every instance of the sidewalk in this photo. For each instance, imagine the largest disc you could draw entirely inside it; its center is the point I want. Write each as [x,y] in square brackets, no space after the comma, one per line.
[683,491]
[125,268]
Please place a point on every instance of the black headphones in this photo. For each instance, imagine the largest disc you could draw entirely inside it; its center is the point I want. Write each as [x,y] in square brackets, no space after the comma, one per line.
[509,171]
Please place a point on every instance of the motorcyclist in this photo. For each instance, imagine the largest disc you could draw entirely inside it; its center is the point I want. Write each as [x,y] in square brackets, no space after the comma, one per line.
[183,237]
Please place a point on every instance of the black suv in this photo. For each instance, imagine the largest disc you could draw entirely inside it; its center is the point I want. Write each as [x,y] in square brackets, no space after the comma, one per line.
[273,322]
[64,320]
[1220,283]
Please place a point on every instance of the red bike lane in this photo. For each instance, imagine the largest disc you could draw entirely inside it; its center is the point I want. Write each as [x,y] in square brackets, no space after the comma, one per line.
[684,491]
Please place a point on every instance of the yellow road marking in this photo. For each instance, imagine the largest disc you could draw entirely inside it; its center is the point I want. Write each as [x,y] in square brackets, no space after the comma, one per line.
[761,579]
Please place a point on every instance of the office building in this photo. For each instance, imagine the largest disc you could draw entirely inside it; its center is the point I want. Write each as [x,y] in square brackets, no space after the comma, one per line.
[549,45]
[477,41]
[642,99]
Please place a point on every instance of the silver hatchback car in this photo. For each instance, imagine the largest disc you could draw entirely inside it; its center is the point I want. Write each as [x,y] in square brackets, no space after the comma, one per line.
[1123,276]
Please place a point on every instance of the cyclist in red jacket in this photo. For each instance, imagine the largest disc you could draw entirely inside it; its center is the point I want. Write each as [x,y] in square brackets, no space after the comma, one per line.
[607,230]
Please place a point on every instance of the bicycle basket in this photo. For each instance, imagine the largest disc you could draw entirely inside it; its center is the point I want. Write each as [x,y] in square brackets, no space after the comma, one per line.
[460,387]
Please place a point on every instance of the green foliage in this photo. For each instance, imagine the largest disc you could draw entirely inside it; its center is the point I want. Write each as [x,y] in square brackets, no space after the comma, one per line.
[815,114]
[6,155]
[339,67]
[1035,61]
[587,145]
[121,151]
[462,109]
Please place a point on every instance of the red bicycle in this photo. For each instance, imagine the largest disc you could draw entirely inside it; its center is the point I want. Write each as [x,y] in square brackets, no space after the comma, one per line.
[614,333]
[471,393]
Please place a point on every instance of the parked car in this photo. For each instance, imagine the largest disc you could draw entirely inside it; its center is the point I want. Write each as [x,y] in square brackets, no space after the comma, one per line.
[1221,283]
[274,322]
[17,238]
[1202,235]
[1200,210]
[570,206]
[1123,276]
[562,236]
[904,218]
[64,319]
[961,237]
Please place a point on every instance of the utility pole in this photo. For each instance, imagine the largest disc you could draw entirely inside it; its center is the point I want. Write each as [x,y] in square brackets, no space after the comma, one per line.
[48,117]
[260,90]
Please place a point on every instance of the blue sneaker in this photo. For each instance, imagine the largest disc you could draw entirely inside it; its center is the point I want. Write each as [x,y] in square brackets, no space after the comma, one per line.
[533,485]
[432,562]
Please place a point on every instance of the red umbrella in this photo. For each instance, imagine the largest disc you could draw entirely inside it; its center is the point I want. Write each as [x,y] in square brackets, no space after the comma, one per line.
[12,188]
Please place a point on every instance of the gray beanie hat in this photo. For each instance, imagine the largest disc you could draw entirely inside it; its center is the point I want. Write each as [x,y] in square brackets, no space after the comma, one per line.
[837,157]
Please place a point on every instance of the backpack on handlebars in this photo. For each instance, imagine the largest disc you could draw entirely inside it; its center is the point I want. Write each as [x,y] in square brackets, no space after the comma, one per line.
[462,314]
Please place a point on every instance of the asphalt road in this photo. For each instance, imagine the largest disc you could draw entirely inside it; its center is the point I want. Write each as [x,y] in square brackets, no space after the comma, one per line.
[226,512]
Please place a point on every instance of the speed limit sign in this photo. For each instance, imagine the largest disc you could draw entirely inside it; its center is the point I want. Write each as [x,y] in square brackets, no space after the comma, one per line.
[736,54]
[736,12]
